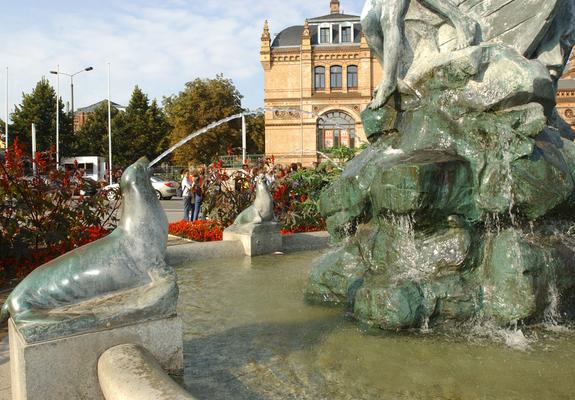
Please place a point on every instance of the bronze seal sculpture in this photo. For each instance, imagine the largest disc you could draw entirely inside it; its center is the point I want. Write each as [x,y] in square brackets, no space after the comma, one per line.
[262,210]
[113,281]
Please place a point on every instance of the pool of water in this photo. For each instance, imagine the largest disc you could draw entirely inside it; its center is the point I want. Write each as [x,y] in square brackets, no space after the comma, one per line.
[249,334]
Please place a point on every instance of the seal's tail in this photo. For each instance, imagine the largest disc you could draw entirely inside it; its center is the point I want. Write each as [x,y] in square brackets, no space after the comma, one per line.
[4,313]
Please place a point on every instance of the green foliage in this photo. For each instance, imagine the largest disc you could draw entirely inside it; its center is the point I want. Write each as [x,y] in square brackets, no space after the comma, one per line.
[39,107]
[92,137]
[256,140]
[341,154]
[142,130]
[296,197]
[202,102]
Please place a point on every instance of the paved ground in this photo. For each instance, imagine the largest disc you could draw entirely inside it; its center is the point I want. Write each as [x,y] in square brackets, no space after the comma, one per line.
[174,208]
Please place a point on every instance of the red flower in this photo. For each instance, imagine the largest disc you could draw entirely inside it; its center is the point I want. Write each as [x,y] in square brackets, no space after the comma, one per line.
[199,231]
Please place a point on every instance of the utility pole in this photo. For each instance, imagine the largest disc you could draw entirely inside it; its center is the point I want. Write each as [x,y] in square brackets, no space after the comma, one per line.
[244,140]
[58,118]
[6,121]
[109,127]
[34,148]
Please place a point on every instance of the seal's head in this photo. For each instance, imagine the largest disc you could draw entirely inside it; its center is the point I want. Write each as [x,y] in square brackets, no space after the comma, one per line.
[137,176]
[261,183]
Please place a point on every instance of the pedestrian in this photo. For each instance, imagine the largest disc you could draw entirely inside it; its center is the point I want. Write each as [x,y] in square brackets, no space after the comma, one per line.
[197,191]
[187,195]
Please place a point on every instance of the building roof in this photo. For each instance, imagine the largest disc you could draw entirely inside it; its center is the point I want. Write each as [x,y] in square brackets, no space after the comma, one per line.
[566,84]
[289,37]
[93,107]
[334,18]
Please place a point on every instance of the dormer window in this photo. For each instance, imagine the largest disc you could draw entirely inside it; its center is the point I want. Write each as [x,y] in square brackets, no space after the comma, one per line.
[346,34]
[324,35]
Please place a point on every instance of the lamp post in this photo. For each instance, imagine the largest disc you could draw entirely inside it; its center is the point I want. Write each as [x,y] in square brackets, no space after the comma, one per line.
[72,87]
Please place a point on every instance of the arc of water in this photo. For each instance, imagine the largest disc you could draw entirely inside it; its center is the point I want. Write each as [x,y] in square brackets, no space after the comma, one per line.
[228,119]
[329,159]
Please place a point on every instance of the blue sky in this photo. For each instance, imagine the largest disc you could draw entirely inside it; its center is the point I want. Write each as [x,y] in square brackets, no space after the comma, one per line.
[158,45]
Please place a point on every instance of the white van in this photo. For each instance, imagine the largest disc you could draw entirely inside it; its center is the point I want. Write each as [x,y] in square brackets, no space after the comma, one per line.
[94,166]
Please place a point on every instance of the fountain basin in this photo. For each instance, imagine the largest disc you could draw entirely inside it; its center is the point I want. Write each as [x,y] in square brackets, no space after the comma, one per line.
[250,334]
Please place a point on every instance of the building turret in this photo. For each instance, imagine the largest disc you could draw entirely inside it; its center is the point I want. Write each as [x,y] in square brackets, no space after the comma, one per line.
[334,6]
[265,50]
[306,37]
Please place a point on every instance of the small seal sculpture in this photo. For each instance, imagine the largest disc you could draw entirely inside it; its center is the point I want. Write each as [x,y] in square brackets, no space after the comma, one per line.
[119,279]
[262,210]
[255,227]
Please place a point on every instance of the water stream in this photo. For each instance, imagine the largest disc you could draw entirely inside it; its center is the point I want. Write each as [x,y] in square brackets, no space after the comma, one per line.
[249,334]
[226,120]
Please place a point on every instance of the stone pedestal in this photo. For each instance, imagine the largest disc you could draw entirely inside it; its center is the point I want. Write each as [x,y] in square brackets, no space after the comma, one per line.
[66,368]
[257,239]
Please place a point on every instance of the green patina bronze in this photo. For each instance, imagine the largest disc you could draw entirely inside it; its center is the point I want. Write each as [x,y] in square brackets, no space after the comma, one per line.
[119,279]
[460,207]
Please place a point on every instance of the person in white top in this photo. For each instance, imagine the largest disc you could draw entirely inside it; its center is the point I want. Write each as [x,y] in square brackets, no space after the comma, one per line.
[187,195]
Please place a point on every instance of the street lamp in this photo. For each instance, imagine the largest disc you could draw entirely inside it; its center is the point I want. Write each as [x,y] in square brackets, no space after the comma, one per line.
[71,83]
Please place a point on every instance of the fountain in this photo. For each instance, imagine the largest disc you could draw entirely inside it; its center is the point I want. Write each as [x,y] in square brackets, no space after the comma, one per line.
[459,208]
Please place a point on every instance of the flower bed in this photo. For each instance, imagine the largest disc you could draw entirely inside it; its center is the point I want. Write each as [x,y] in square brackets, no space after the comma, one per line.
[199,231]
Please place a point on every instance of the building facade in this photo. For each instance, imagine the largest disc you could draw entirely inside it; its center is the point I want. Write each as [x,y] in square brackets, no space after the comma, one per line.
[319,77]
[81,115]
[566,94]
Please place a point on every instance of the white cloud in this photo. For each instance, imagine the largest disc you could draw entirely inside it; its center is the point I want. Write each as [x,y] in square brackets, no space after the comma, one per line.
[158,45]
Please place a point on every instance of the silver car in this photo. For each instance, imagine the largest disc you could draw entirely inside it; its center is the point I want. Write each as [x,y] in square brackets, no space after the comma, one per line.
[165,190]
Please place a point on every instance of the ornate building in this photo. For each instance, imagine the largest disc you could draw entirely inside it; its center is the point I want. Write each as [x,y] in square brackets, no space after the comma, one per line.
[566,94]
[325,68]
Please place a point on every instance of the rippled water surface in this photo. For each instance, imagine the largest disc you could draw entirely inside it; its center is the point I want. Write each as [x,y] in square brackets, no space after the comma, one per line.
[249,335]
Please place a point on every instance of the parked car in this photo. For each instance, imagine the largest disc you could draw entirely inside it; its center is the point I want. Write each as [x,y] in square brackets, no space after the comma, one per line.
[165,189]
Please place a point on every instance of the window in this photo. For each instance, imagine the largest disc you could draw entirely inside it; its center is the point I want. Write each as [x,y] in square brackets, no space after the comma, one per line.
[336,128]
[335,77]
[352,77]
[346,34]
[324,35]
[319,78]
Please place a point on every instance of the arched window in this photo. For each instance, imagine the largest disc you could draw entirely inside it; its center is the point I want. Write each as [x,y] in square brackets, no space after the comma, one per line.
[319,78]
[335,128]
[352,77]
[335,77]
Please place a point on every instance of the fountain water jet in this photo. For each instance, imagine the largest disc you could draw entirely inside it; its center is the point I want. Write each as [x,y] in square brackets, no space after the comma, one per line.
[226,120]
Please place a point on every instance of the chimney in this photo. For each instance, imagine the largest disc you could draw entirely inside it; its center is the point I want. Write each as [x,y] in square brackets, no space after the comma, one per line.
[334,6]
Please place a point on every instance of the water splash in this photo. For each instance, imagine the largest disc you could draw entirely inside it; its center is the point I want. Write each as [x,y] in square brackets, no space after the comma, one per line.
[331,160]
[551,315]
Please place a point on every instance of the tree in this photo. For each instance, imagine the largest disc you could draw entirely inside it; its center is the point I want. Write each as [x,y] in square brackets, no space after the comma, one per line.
[202,102]
[39,108]
[256,141]
[92,137]
[142,130]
